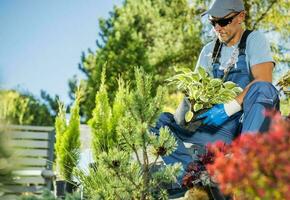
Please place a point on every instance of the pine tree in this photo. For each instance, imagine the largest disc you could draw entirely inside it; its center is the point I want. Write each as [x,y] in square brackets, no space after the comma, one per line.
[124,170]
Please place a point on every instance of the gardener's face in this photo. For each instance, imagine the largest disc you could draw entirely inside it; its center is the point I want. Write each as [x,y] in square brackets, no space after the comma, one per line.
[227,27]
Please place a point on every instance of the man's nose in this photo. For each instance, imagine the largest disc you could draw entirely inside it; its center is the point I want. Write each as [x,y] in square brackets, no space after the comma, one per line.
[217,27]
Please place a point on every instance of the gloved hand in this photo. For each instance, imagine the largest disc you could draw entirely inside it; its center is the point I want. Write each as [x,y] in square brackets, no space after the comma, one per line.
[220,113]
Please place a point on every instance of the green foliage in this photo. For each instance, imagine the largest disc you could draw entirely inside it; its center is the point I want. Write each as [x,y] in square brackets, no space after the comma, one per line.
[60,127]
[284,84]
[124,170]
[68,139]
[23,109]
[105,118]
[154,34]
[202,90]
[164,144]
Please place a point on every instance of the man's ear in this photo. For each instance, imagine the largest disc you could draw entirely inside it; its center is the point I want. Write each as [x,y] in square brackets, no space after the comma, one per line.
[242,16]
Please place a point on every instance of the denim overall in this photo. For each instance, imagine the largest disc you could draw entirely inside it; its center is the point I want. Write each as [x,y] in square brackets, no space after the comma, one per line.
[260,95]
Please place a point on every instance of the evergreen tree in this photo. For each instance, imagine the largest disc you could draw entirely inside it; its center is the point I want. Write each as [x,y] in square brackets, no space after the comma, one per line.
[60,127]
[105,118]
[68,139]
[124,170]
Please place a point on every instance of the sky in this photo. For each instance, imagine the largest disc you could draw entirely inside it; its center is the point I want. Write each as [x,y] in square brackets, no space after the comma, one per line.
[41,42]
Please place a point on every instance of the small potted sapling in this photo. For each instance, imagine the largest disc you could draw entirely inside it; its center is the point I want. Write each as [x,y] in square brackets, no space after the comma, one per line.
[202,91]
[67,147]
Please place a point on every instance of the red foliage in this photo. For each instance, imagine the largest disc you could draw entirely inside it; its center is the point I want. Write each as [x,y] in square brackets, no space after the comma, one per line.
[255,165]
[192,175]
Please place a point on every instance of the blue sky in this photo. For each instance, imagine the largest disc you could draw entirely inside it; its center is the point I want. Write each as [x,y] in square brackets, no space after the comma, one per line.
[41,41]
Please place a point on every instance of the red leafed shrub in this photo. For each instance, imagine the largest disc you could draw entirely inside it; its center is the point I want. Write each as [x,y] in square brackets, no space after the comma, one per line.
[255,166]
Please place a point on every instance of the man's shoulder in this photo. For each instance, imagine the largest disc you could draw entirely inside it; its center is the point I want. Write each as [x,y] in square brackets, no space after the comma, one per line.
[256,37]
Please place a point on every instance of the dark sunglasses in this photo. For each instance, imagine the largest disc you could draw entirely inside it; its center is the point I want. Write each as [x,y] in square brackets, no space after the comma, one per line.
[223,21]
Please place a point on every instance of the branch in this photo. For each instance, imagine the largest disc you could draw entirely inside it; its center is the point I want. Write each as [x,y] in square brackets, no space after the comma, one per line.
[133,148]
[125,175]
[263,14]
[146,167]
[137,155]
[155,161]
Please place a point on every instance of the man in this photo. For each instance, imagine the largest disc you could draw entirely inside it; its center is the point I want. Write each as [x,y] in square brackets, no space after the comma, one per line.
[236,55]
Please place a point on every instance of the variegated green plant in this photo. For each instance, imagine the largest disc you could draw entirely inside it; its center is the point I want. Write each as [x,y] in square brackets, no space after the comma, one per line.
[202,90]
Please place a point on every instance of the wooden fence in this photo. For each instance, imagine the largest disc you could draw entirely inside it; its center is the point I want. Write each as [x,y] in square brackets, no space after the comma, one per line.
[33,154]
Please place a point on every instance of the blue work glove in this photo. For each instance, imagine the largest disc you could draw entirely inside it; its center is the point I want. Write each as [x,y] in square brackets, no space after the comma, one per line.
[215,116]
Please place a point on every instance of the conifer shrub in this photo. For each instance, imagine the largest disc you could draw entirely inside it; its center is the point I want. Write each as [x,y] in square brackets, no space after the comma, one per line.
[105,117]
[126,153]
[67,144]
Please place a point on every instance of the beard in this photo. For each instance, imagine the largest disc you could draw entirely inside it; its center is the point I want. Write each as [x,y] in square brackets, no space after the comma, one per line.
[225,40]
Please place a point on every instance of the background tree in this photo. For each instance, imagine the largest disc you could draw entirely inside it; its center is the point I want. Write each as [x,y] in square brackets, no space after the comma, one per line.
[24,109]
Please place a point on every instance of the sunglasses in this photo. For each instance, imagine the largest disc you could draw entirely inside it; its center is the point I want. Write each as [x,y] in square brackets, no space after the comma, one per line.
[223,21]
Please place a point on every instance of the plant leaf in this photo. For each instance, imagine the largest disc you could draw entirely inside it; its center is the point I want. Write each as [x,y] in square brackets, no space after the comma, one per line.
[215,82]
[202,72]
[229,85]
[197,107]
[188,116]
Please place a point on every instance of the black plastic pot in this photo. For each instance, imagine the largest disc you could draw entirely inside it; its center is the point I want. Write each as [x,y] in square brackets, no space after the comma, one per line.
[63,187]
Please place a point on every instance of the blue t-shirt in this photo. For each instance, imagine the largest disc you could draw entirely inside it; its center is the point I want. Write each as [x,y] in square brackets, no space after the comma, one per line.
[257,51]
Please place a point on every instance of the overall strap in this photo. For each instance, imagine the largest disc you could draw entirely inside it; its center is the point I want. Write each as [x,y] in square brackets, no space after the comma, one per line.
[217,51]
[243,42]
[242,49]
[218,47]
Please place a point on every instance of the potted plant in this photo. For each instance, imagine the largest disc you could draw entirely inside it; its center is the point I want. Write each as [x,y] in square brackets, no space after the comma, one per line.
[67,147]
[202,91]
